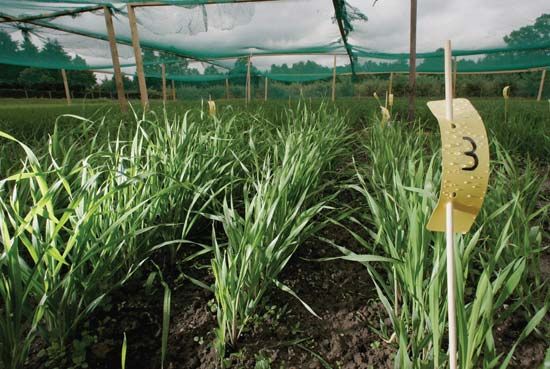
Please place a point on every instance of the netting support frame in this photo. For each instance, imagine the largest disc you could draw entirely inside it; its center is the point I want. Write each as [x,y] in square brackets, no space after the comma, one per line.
[334,80]
[163,75]
[412,62]
[541,86]
[173,90]
[137,55]
[28,19]
[339,5]
[265,88]
[248,89]
[66,86]
[116,62]
[227,88]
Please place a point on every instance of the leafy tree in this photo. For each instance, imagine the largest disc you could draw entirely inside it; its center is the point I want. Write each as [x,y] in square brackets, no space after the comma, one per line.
[109,84]
[537,33]
[8,47]
[211,70]
[53,52]
[8,53]
[37,78]
[80,79]
[239,71]
[28,49]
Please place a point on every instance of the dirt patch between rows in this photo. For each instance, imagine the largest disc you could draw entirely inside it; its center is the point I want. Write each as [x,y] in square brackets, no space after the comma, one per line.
[284,334]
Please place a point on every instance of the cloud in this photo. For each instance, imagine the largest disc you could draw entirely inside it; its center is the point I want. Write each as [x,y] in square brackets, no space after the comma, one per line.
[470,24]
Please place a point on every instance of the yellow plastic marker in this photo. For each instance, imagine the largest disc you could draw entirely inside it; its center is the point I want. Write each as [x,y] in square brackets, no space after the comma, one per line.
[465,151]
[386,116]
[506,92]
[506,95]
[465,154]
[212,108]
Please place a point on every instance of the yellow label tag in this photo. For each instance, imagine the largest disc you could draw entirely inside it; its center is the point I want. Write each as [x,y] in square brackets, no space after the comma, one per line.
[212,108]
[506,92]
[465,154]
[385,115]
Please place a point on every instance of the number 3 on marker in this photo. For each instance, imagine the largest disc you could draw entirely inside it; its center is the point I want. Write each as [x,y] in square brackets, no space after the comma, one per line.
[465,161]
[471,153]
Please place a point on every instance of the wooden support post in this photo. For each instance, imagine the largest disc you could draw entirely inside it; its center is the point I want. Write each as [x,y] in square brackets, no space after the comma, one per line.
[448,81]
[173,90]
[248,80]
[137,53]
[334,80]
[66,84]
[412,62]
[455,68]
[541,86]
[449,231]
[390,84]
[163,72]
[265,89]
[116,62]
[227,88]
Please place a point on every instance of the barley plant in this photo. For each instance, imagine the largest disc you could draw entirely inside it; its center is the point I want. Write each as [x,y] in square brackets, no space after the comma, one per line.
[83,209]
[77,220]
[281,198]
[496,262]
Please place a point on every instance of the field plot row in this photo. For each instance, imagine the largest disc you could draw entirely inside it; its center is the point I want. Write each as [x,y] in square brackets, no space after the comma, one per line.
[284,235]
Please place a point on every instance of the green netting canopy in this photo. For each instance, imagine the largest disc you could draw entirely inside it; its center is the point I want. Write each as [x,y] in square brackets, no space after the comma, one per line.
[287,40]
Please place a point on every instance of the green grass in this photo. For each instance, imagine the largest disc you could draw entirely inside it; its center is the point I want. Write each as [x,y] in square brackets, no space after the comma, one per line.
[525,133]
[85,202]
[282,196]
[497,262]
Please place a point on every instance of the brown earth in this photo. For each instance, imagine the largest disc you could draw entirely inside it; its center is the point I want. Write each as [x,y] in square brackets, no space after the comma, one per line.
[286,334]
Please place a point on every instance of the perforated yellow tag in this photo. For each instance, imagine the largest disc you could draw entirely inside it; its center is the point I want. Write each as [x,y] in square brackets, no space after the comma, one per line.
[385,116]
[212,108]
[506,92]
[465,156]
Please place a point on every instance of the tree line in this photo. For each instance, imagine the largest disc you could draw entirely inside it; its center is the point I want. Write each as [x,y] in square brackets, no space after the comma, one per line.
[16,77]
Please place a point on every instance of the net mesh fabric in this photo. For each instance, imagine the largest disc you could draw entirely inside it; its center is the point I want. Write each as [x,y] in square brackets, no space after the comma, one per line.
[219,37]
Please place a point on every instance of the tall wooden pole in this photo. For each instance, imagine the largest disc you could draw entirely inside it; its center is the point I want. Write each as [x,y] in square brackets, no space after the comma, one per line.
[173,90]
[334,80]
[390,84]
[448,64]
[412,62]
[449,231]
[541,86]
[265,89]
[116,62]
[137,54]
[248,80]
[66,84]
[455,69]
[163,72]
[227,88]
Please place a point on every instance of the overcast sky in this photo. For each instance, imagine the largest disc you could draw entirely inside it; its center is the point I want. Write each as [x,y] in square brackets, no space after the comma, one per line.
[468,23]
